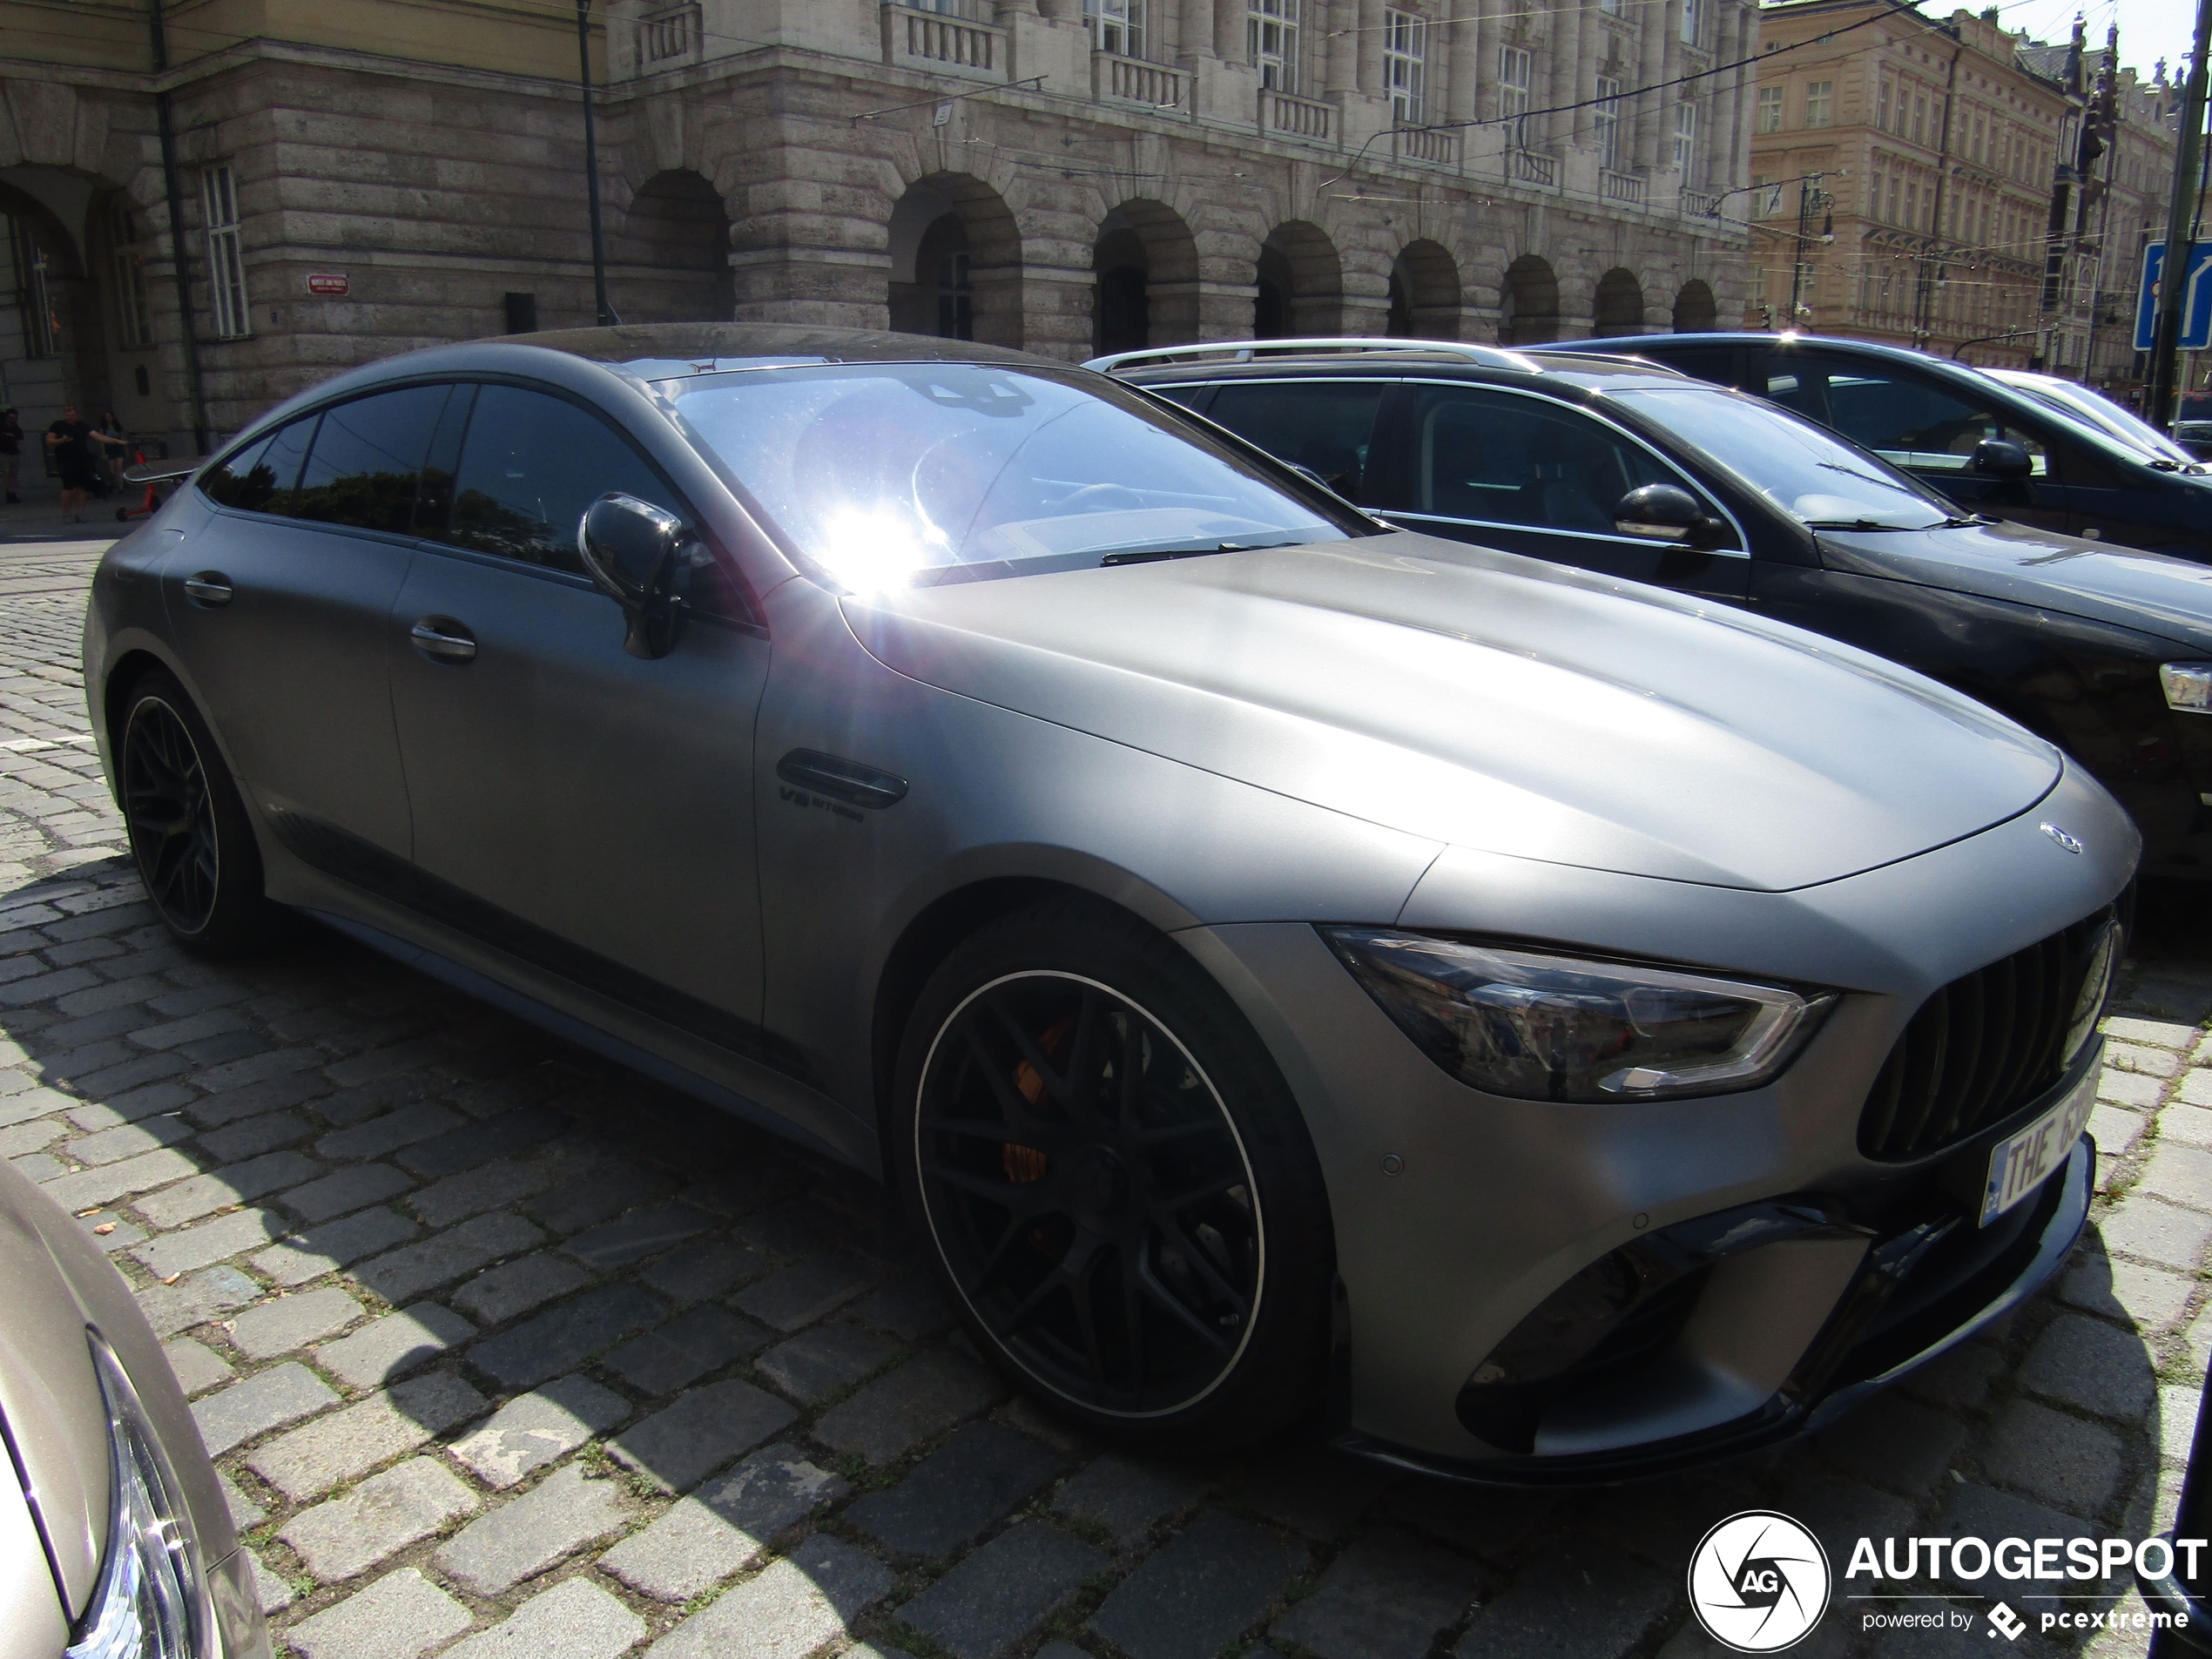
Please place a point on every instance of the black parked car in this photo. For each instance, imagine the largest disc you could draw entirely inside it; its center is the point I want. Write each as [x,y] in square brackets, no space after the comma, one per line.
[1990,448]
[1643,473]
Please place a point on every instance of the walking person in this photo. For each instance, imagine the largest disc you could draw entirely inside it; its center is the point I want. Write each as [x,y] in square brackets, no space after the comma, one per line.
[76,449]
[118,450]
[11,453]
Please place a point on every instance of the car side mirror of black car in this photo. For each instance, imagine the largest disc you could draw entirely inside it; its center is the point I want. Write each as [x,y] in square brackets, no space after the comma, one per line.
[1999,458]
[638,554]
[1667,513]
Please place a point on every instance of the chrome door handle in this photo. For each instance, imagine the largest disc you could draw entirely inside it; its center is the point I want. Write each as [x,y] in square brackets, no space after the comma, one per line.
[208,588]
[443,640]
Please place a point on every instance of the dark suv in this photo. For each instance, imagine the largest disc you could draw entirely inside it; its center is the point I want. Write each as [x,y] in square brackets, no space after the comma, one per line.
[1639,472]
[1989,447]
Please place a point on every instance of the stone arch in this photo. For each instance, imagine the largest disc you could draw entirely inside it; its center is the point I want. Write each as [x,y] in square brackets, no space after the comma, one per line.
[1617,305]
[1424,293]
[53,329]
[955,261]
[1300,283]
[671,252]
[1529,302]
[1696,310]
[1145,291]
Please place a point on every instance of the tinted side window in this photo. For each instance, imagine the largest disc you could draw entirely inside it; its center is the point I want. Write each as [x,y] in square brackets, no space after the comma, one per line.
[1509,460]
[1908,420]
[1191,397]
[259,478]
[530,465]
[1324,425]
[226,481]
[367,460]
[1715,363]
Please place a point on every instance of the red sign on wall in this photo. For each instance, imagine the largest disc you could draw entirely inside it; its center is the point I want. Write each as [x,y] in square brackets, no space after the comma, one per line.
[329,282]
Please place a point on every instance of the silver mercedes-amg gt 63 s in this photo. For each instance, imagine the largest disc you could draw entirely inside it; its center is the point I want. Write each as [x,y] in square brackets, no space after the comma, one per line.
[115,1542]
[1293,971]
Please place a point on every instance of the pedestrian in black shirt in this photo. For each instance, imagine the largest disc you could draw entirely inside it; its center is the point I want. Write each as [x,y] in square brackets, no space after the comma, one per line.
[77,449]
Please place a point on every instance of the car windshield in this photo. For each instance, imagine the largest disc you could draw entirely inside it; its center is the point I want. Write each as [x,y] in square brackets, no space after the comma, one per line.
[1803,469]
[890,475]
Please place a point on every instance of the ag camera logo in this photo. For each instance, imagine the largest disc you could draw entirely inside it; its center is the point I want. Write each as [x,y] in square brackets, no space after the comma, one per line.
[1758,1581]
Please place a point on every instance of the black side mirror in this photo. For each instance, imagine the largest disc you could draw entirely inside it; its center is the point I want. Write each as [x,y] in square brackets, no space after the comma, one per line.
[2000,458]
[1666,513]
[638,554]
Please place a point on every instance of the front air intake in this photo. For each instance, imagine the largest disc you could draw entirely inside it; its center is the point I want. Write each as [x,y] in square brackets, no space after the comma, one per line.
[1982,1047]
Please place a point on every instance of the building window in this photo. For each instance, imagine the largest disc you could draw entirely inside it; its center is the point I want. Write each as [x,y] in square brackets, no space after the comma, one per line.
[1920,120]
[955,299]
[1913,207]
[1271,41]
[225,266]
[133,315]
[1606,119]
[1882,104]
[1770,108]
[1767,195]
[1693,22]
[1516,67]
[1686,144]
[1116,26]
[1820,102]
[1405,64]
[42,324]
[1891,214]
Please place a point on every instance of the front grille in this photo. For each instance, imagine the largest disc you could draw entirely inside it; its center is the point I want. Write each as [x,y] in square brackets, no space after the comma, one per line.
[1979,1048]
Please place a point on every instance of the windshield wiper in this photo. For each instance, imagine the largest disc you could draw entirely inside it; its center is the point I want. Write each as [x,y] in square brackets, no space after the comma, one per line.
[1868,524]
[1154,555]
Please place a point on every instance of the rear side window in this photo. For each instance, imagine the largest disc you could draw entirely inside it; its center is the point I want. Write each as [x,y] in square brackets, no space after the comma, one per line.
[1324,426]
[259,478]
[1504,459]
[366,462]
[530,466]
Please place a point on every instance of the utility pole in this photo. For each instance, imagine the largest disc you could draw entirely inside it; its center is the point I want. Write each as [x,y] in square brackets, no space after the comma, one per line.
[2181,230]
[605,313]
[1809,197]
[179,274]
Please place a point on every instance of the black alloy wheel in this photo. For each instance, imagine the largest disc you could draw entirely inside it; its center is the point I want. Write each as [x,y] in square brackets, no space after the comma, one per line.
[1089,1194]
[189,834]
[170,811]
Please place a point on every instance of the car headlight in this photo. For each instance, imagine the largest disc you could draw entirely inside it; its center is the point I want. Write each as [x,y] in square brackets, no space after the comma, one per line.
[149,1603]
[2188,686]
[1551,1028]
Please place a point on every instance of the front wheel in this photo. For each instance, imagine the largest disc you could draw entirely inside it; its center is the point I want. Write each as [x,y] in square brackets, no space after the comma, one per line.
[1121,1201]
[188,831]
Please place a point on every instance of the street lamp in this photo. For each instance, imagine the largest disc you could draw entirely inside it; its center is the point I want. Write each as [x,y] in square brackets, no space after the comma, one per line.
[1810,198]
[605,311]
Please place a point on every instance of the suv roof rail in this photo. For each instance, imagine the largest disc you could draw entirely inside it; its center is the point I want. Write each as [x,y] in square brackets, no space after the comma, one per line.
[1243,351]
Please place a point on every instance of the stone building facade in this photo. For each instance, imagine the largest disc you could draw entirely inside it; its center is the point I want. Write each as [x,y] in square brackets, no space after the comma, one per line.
[355,178]
[1933,151]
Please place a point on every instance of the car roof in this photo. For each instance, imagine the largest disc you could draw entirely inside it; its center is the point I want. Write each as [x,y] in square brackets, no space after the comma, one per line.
[657,350]
[1324,359]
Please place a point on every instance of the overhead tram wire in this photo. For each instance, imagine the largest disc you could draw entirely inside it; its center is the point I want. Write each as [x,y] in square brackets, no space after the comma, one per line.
[1896,9]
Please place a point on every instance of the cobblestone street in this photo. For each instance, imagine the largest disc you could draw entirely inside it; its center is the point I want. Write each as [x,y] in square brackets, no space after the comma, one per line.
[506,1353]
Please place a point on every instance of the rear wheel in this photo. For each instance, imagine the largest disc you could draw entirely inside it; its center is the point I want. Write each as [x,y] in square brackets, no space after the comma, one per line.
[188,830]
[1123,1202]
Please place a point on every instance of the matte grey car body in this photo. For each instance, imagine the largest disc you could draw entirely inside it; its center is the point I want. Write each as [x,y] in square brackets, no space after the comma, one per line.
[758,865]
[58,1548]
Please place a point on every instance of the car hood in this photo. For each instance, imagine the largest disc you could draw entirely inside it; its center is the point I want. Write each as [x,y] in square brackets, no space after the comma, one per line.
[1488,700]
[2122,586]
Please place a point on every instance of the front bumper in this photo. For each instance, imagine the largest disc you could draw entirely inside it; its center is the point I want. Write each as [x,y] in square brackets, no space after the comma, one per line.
[1457,1213]
[1914,1295]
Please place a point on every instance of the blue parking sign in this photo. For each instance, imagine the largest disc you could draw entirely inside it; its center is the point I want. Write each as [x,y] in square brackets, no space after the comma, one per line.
[2196,305]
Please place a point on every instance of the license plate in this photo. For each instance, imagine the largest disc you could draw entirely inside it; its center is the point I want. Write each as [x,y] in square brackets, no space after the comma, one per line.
[2020,1164]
